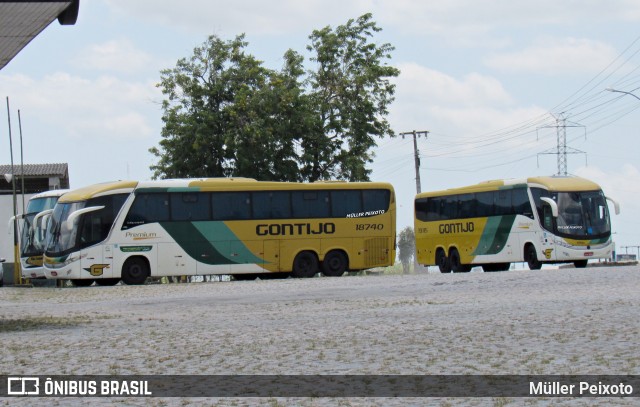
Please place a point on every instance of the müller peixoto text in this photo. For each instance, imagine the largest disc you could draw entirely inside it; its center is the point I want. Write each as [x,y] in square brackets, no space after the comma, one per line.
[579,389]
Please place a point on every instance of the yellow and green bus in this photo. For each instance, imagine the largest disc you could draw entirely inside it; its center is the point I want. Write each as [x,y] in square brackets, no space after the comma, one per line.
[493,224]
[33,229]
[229,226]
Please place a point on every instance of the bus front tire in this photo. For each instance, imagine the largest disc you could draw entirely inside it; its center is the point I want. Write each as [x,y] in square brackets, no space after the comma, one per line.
[580,264]
[305,265]
[443,261]
[531,257]
[135,271]
[335,263]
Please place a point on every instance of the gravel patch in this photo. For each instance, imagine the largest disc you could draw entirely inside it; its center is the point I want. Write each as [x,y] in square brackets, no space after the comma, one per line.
[558,322]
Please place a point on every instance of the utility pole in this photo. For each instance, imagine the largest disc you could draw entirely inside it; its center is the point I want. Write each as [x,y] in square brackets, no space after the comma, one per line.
[415,135]
[562,150]
[17,275]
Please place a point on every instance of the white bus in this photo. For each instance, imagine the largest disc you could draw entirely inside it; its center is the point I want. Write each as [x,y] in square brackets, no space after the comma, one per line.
[232,226]
[32,231]
[493,224]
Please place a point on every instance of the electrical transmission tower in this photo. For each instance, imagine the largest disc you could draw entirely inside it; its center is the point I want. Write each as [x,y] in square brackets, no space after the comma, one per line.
[561,149]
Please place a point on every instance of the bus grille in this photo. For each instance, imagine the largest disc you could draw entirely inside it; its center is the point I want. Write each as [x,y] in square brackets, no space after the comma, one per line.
[377,252]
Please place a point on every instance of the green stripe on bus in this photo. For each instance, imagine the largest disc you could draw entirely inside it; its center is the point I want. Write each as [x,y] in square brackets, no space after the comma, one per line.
[219,231]
[200,241]
[495,235]
[194,243]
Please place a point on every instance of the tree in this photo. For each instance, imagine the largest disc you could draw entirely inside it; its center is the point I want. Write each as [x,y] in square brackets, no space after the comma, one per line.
[227,115]
[350,95]
[406,247]
[222,114]
[199,90]
[265,122]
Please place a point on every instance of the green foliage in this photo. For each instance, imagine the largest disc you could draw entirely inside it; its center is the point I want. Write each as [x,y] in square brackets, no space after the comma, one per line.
[406,247]
[225,114]
[350,96]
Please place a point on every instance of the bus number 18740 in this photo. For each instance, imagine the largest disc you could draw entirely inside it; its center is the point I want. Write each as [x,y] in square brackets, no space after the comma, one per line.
[369,226]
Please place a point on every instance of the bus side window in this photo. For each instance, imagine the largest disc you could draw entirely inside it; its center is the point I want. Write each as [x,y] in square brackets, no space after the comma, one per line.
[467,206]
[310,204]
[147,208]
[375,200]
[484,204]
[190,206]
[547,217]
[521,204]
[422,209]
[231,205]
[503,202]
[271,205]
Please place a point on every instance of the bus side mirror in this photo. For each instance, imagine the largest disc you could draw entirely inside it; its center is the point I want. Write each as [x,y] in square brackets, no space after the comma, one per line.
[11,219]
[68,225]
[552,204]
[616,205]
[40,215]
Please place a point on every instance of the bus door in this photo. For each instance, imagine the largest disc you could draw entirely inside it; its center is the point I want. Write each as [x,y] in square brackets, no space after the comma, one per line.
[548,248]
[271,255]
[95,258]
[97,261]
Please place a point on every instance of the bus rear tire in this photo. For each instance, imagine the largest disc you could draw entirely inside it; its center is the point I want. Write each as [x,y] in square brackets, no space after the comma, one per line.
[135,271]
[443,261]
[531,257]
[107,282]
[454,260]
[335,263]
[82,282]
[305,265]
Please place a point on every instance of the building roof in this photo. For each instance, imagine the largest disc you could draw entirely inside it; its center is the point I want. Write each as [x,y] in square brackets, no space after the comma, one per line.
[38,170]
[21,21]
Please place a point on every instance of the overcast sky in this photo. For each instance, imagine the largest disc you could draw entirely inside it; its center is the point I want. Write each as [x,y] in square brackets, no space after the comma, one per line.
[488,80]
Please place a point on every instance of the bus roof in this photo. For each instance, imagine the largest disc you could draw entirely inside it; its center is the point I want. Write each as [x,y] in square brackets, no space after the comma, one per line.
[555,183]
[212,184]
[249,184]
[49,194]
[82,194]
[576,184]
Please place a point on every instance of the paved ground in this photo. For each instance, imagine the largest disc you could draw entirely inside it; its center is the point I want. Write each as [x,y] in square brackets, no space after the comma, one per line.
[564,321]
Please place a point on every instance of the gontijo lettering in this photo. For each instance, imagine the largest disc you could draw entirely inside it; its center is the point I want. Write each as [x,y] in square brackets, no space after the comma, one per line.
[457,227]
[290,229]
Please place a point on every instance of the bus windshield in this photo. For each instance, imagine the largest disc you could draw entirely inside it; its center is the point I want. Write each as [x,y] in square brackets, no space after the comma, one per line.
[32,235]
[40,204]
[88,229]
[582,214]
[61,240]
